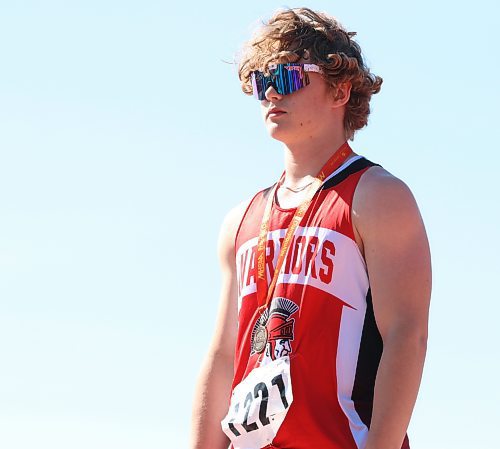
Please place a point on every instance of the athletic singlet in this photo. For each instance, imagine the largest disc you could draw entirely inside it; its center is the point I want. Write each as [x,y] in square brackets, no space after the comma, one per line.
[305,369]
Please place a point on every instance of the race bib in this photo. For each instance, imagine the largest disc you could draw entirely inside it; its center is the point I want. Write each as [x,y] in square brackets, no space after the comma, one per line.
[259,405]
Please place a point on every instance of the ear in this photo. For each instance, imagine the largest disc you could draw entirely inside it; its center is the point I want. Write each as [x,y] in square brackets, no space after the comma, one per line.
[341,94]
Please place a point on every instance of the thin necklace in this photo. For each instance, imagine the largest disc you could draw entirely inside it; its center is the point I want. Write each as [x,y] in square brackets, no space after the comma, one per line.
[298,189]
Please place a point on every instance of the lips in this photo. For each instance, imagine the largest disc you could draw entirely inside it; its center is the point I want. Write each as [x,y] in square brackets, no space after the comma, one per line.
[275,112]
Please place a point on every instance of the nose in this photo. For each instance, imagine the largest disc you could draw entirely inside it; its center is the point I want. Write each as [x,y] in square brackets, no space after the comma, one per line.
[272,93]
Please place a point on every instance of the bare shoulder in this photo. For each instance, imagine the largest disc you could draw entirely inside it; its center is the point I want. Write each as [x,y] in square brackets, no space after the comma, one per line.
[228,231]
[377,187]
[383,200]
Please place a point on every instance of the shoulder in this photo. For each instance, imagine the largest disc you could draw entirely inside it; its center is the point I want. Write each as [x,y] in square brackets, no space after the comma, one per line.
[229,229]
[377,184]
[233,219]
[384,205]
[379,191]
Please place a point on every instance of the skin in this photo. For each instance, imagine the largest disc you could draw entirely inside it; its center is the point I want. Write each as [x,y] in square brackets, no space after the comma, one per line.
[214,383]
[391,236]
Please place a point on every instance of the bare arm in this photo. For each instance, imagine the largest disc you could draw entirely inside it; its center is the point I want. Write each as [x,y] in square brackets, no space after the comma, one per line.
[212,392]
[398,261]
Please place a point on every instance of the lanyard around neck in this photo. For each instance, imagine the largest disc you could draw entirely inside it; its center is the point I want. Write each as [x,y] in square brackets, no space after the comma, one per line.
[265,293]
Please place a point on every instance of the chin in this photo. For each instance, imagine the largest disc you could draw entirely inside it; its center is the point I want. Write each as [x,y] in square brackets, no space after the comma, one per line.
[278,133]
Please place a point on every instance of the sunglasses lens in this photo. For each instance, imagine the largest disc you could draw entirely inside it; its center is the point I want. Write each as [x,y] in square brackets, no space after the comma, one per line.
[259,85]
[290,78]
[285,78]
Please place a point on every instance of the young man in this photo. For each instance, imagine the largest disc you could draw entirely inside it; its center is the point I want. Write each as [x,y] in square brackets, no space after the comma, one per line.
[322,326]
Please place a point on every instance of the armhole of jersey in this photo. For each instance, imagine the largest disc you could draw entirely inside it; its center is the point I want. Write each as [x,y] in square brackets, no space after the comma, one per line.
[245,214]
[357,168]
[361,173]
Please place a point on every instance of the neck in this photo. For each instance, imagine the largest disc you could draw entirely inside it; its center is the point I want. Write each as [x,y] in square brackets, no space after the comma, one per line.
[305,160]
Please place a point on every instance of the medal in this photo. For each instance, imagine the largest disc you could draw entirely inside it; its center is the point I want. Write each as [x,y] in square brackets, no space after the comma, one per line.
[260,339]
[260,333]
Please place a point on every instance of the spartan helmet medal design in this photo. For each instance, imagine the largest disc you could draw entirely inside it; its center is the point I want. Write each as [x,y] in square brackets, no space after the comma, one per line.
[274,328]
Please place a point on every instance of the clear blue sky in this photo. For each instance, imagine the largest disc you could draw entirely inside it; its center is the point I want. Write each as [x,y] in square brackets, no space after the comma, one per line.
[124,139]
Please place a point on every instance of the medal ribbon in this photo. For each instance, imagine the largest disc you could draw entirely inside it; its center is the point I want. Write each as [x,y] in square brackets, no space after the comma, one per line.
[264,293]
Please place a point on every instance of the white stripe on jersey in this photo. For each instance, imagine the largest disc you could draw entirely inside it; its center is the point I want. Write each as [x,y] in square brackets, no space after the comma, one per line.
[349,280]
[343,167]
[351,329]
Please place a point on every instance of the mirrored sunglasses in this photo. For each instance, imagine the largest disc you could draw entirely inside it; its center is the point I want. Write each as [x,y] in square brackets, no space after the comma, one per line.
[285,78]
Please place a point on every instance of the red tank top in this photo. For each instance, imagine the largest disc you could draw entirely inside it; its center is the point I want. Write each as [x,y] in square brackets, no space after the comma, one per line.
[320,321]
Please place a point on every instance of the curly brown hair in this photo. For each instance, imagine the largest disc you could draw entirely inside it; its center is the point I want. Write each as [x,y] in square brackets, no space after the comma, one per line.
[297,33]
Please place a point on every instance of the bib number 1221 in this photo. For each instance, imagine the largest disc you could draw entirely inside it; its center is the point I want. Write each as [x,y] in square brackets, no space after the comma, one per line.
[259,404]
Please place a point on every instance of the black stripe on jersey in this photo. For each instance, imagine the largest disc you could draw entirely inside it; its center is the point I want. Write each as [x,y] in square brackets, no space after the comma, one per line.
[370,351]
[356,166]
